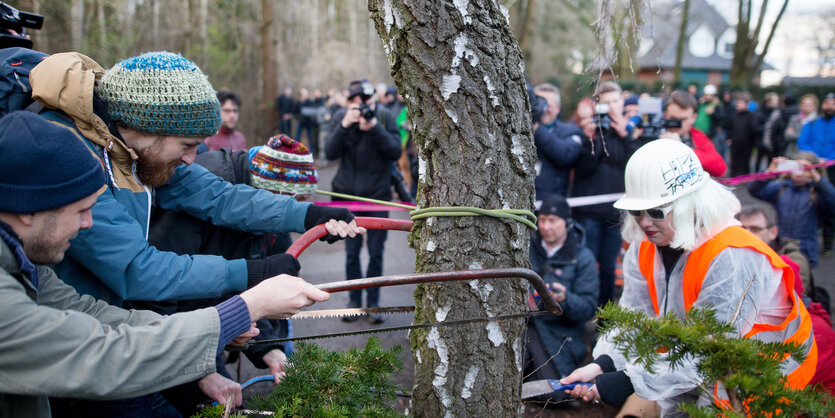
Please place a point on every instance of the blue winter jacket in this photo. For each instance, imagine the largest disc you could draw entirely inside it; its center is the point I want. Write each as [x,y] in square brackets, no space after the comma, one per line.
[799,209]
[114,262]
[557,148]
[575,267]
[818,136]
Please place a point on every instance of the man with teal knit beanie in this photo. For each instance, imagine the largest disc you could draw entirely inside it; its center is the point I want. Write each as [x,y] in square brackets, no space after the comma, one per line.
[143,119]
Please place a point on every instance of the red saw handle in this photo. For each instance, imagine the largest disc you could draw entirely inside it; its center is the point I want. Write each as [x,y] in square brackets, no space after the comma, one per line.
[319,231]
[449,276]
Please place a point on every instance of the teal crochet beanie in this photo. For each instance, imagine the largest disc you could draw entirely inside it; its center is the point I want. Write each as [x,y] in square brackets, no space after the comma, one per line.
[161,93]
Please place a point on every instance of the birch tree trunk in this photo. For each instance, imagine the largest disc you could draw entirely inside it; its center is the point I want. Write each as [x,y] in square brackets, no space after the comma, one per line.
[461,72]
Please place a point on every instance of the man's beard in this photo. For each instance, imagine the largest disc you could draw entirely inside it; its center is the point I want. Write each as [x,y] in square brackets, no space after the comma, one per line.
[150,169]
[41,249]
[828,114]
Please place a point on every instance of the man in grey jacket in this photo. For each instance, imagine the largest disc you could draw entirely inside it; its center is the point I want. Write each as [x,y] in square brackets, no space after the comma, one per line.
[55,342]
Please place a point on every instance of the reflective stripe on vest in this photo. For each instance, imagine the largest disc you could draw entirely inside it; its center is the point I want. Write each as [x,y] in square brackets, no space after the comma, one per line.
[796,328]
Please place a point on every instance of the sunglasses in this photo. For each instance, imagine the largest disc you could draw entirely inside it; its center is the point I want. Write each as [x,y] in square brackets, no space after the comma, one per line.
[656,214]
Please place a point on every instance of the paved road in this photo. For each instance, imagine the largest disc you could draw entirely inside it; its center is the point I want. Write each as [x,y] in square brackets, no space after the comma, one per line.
[325,263]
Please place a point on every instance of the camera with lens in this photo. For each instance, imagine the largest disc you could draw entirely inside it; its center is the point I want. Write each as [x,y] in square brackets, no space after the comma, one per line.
[602,121]
[366,111]
[538,105]
[12,19]
[650,119]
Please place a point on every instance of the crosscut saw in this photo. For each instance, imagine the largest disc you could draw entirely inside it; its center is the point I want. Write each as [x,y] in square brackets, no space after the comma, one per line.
[551,306]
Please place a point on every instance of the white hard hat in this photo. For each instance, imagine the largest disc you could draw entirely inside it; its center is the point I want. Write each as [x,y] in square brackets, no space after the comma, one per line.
[658,173]
[709,89]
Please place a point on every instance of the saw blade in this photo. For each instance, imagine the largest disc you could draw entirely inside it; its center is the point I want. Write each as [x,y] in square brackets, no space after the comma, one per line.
[339,313]
[405,327]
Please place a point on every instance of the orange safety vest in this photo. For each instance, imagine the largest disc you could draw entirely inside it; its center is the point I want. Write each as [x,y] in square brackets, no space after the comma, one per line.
[797,327]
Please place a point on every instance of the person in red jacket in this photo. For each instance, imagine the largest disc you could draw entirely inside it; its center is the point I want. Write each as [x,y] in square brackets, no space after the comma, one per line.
[683,107]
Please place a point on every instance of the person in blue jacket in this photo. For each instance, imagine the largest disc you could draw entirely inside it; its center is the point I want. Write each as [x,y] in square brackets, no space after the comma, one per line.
[802,200]
[143,119]
[557,146]
[555,344]
[818,136]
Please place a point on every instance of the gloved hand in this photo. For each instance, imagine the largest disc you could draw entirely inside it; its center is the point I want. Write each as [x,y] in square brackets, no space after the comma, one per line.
[260,269]
[321,214]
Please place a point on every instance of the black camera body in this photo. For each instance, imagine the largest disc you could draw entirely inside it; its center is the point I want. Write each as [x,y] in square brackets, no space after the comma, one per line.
[538,105]
[366,112]
[13,19]
[655,125]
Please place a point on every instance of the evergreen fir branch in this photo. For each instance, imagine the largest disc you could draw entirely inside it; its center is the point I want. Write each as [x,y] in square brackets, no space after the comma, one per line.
[749,369]
[331,384]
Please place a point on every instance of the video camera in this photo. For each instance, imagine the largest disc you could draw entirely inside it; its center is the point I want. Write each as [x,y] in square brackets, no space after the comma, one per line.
[12,19]
[650,118]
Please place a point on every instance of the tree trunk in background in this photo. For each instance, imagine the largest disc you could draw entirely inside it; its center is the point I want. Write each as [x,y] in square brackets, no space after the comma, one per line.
[77,24]
[269,66]
[461,72]
[682,41]
[757,65]
[102,23]
[524,35]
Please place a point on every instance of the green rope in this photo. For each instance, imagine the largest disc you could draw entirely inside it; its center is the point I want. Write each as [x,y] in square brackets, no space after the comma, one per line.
[519,215]
[365,199]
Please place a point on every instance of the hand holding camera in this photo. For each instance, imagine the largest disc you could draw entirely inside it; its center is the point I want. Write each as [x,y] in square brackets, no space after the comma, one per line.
[361,113]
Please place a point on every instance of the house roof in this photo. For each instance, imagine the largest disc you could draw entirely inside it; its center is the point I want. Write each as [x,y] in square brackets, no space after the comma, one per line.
[809,81]
[662,30]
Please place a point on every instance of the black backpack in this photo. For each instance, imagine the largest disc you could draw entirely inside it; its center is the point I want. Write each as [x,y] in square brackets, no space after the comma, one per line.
[15,91]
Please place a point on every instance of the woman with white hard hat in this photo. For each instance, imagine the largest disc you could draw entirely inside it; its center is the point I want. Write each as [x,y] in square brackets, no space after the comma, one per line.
[687,251]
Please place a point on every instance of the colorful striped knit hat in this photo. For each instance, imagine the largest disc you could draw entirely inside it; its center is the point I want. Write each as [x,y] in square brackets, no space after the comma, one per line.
[161,93]
[284,166]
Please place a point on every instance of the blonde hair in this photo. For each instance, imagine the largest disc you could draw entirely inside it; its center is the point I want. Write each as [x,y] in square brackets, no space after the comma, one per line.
[696,216]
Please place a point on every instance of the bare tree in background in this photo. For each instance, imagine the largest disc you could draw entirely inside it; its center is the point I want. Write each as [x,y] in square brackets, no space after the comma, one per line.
[461,72]
[747,63]
[681,44]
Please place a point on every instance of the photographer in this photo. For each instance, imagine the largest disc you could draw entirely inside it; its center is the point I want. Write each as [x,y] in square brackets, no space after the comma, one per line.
[681,109]
[599,170]
[365,140]
[557,144]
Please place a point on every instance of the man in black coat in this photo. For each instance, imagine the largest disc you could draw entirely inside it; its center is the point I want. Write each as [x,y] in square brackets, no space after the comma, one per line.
[366,141]
[600,170]
[559,255]
[285,106]
[742,136]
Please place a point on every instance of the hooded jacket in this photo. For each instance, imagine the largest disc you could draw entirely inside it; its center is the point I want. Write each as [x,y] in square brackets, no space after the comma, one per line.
[574,267]
[113,260]
[56,342]
[799,209]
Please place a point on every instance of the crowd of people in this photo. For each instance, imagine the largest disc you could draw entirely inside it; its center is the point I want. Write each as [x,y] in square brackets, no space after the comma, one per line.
[619,142]
[151,235]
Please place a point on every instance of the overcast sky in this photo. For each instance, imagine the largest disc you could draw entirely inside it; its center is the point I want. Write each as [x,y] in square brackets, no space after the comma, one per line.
[791,50]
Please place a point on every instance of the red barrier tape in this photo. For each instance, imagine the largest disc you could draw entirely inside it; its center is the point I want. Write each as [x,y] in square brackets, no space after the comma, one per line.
[748,178]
